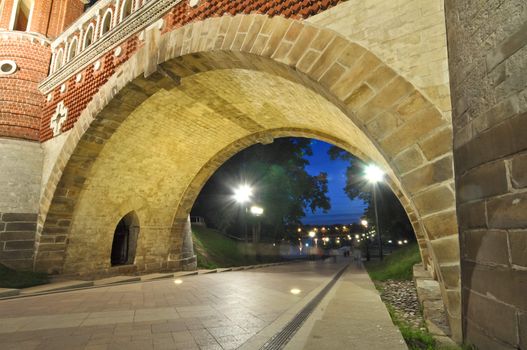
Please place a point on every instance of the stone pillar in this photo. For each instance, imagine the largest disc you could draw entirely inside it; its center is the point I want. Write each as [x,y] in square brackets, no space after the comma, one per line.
[187,250]
[20,176]
[488,63]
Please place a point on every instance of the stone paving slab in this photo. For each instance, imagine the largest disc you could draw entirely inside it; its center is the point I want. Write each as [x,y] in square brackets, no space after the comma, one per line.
[211,311]
[116,280]
[57,286]
[355,318]
[8,292]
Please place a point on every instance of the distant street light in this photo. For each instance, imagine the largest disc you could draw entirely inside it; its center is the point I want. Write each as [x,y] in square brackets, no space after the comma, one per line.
[242,195]
[312,234]
[364,223]
[257,211]
[374,175]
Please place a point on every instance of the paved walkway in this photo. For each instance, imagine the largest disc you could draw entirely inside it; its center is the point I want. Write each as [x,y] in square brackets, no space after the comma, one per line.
[211,311]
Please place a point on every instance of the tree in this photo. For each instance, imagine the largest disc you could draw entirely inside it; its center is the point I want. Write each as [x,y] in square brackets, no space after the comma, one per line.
[392,217]
[281,184]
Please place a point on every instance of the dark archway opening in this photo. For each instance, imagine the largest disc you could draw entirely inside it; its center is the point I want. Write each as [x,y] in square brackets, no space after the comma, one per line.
[125,240]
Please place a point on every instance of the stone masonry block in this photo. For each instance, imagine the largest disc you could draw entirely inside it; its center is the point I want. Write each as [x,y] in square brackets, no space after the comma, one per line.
[19,217]
[484,181]
[437,144]
[484,148]
[499,319]
[472,215]
[409,159]
[434,200]
[507,212]
[21,226]
[504,284]
[436,172]
[19,245]
[518,247]
[486,246]
[441,225]
[519,171]
[446,249]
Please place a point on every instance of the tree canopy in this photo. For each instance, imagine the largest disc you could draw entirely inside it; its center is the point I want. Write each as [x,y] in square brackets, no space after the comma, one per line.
[393,221]
[281,185]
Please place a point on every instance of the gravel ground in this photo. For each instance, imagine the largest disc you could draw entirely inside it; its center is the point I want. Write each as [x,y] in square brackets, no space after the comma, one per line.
[402,296]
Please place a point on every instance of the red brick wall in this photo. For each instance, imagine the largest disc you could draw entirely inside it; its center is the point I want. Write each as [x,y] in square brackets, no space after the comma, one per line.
[21,101]
[78,95]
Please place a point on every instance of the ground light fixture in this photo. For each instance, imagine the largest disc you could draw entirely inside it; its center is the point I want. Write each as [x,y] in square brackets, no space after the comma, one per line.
[256,210]
[373,175]
[295,291]
[178,281]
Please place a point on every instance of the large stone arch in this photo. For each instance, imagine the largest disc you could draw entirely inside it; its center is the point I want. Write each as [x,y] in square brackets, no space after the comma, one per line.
[378,112]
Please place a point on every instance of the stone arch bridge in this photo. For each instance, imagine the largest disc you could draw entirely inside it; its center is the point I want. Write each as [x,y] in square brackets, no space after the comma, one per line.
[138,116]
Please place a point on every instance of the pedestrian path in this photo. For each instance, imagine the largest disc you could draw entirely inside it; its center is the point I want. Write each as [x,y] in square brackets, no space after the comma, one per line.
[353,316]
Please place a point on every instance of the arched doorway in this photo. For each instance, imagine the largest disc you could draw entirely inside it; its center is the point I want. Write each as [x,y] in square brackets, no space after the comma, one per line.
[125,240]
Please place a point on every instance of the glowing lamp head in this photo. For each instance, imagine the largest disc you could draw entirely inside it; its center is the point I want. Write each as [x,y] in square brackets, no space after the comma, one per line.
[257,211]
[243,194]
[373,173]
[312,234]
[364,223]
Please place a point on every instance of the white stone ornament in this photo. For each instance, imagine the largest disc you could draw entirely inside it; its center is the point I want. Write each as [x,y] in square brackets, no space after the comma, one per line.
[97,65]
[118,51]
[7,67]
[63,88]
[60,116]
[193,3]
[78,78]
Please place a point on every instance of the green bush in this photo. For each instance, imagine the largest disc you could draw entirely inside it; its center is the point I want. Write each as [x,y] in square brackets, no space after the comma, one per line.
[396,266]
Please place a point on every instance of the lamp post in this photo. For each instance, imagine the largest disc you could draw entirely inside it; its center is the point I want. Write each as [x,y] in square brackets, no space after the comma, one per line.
[374,175]
[243,195]
[364,224]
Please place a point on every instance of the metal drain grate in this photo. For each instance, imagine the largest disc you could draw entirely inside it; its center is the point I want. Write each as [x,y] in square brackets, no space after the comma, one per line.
[280,339]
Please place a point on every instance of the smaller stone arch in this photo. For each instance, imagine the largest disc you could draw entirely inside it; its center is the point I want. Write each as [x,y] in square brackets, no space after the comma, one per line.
[126,9]
[72,51]
[106,22]
[89,36]
[124,243]
[59,58]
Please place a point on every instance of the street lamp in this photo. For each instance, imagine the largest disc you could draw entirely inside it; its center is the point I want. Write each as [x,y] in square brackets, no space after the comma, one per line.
[257,211]
[374,174]
[242,195]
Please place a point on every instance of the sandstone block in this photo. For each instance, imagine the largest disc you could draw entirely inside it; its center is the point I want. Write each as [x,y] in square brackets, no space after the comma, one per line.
[507,212]
[472,215]
[519,171]
[434,200]
[436,172]
[486,246]
[497,318]
[437,144]
[484,181]
[446,249]
[441,225]
[518,246]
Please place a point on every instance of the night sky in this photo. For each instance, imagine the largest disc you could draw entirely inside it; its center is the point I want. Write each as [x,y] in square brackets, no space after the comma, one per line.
[343,210]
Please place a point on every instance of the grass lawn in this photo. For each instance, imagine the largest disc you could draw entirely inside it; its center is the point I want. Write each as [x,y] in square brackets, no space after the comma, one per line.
[20,279]
[399,266]
[396,266]
[215,250]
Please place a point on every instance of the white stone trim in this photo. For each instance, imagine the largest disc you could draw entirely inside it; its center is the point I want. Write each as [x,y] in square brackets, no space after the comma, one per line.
[60,116]
[9,63]
[149,13]
[93,35]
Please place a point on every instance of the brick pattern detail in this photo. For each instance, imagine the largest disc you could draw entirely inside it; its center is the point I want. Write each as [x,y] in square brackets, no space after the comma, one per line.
[21,101]
[77,96]
[488,56]
[17,239]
